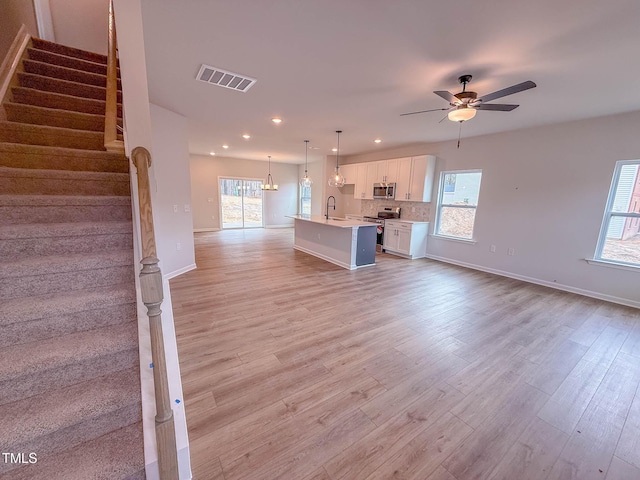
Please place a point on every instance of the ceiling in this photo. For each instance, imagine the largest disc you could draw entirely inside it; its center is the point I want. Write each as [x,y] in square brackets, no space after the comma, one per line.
[356,65]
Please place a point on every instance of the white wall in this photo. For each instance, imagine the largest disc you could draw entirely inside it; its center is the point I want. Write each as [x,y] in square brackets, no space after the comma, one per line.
[81,23]
[543,194]
[205,171]
[171,188]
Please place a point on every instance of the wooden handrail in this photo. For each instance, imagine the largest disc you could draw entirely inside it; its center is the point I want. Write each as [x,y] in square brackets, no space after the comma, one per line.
[111,142]
[11,64]
[151,289]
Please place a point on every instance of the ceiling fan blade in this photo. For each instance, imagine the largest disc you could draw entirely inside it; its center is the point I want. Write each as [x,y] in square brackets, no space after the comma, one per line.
[448,96]
[423,111]
[507,91]
[498,107]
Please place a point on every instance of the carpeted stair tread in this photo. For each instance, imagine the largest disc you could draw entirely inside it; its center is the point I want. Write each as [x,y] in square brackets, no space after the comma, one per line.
[21,181]
[51,136]
[74,410]
[118,455]
[19,155]
[54,117]
[63,200]
[66,73]
[56,85]
[64,263]
[43,306]
[62,174]
[29,369]
[28,240]
[30,209]
[58,324]
[11,232]
[66,61]
[28,277]
[33,96]
[68,51]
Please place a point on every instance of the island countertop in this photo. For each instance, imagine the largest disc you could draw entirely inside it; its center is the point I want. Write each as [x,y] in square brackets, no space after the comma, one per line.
[350,244]
[333,221]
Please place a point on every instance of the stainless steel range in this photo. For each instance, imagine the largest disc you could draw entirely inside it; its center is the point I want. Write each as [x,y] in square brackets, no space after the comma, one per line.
[387,213]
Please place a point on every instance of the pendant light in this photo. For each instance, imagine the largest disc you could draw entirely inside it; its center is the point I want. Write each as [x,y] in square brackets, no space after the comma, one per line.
[268,184]
[306,182]
[337,180]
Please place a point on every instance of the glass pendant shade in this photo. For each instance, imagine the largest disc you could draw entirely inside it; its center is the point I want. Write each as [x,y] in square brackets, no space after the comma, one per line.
[268,184]
[306,182]
[337,180]
[461,114]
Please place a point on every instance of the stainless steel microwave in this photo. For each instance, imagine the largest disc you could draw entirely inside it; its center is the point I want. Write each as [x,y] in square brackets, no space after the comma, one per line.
[384,190]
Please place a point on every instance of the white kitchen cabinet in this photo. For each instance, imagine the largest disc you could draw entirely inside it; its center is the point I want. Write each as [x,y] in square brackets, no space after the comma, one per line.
[403,180]
[391,173]
[387,171]
[415,178]
[407,239]
[366,177]
[350,173]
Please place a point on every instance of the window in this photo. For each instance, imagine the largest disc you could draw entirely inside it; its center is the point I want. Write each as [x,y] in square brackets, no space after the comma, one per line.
[240,203]
[305,200]
[457,203]
[619,240]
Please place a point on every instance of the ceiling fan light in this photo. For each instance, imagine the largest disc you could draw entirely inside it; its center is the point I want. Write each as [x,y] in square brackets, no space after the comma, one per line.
[462,114]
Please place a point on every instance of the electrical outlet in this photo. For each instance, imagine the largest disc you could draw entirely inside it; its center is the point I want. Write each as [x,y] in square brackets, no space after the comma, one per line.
[175,209]
[178,246]
[492,249]
[187,208]
[511,252]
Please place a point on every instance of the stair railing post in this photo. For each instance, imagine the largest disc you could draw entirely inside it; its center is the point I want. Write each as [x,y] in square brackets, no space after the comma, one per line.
[152,296]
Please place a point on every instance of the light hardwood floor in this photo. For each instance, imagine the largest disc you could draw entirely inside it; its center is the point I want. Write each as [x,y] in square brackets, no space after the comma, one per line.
[294,368]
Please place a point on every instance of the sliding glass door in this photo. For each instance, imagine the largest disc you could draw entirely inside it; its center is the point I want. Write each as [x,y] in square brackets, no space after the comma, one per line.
[241,203]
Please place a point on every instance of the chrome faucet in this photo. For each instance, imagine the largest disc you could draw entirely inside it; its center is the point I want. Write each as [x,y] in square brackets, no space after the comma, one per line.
[334,204]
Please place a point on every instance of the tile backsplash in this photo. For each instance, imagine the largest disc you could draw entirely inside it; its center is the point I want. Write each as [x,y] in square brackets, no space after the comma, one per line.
[416,211]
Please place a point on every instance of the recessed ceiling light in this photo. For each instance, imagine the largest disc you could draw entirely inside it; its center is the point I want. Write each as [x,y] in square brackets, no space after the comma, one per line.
[334,149]
[314,148]
[246,136]
[225,146]
[276,120]
[377,140]
[212,153]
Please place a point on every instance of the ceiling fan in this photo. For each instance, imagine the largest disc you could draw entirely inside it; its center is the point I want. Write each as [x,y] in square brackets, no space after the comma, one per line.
[464,105]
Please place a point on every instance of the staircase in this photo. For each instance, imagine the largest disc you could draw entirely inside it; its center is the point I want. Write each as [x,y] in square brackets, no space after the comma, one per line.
[69,363]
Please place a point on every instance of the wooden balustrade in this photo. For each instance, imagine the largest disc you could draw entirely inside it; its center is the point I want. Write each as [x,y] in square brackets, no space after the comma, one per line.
[111,142]
[151,288]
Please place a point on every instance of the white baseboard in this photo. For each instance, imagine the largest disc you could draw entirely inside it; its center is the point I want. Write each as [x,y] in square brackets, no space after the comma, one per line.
[323,257]
[289,225]
[537,281]
[199,230]
[180,271]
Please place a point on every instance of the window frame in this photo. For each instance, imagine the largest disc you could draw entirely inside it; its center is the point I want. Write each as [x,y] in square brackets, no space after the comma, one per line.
[302,198]
[439,205]
[609,214]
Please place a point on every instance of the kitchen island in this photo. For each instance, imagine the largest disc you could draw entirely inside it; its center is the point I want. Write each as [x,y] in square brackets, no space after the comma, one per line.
[350,244]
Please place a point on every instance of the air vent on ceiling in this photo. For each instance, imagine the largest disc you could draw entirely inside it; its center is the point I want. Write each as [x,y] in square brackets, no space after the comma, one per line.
[223,78]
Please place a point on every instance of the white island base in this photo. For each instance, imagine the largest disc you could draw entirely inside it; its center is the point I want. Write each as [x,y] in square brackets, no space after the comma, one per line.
[349,244]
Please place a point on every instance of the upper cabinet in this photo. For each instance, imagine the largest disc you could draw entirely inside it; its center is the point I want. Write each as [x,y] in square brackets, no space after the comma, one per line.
[386,171]
[349,172]
[415,178]
[365,179]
